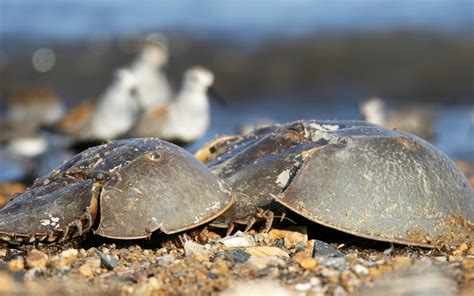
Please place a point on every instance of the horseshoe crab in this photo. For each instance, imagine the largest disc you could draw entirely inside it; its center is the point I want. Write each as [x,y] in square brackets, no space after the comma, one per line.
[353,176]
[125,189]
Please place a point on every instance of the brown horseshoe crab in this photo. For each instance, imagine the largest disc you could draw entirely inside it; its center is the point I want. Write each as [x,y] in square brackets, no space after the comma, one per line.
[137,186]
[356,177]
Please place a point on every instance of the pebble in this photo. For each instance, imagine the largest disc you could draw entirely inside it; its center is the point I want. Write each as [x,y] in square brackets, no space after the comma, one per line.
[361,270]
[3,252]
[262,251]
[267,261]
[239,240]
[400,262]
[300,246]
[165,260]
[290,237]
[36,259]
[303,287]
[237,256]
[107,261]
[191,248]
[86,270]
[323,249]
[65,258]
[334,262]
[33,274]
[339,291]
[305,260]
[7,284]
[16,264]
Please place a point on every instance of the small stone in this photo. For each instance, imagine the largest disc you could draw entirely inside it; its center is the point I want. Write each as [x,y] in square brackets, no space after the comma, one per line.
[166,260]
[461,250]
[7,284]
[334,262]
[300,246]
[291,236]
[262,251]
[212,276]
[36,259]
[33,274]
[339,291]
[400,262]
[237,256]
[191,248]
[3,252]
[360,270]
[66,258]
[108,262]
[239,240]
[467,263]
[303,287]
[86,270]
[266,261]
[305,260]
[323,249]
[16,264]
[314,281]
[471,251]
[374,272]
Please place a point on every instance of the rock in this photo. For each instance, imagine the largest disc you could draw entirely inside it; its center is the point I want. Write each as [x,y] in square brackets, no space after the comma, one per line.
[338,263]
[237,256]
[65,258]
[239,240]
[323,249]
[266,261]
[305,260]
[86,270]
[300,246]
[165,260]
[3,252]
[339,291]
[303,287]
[16,264]
[108,261]
[261,251]
[290,237]
[467,263]
[7,284]
[33,274]
[191,248]
[258,287]
[416,280]
[360,270]
[400,262]
[36,259]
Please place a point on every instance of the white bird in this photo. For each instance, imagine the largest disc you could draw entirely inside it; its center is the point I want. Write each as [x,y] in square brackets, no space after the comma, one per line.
[112,115]
[153,87]
[408,119]
[186,118]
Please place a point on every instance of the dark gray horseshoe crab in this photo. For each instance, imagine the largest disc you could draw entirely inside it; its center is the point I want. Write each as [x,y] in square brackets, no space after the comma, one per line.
[136,186]
[356,177]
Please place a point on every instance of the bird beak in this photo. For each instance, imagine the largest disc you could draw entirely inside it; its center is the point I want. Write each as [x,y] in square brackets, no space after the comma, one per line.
[211,92]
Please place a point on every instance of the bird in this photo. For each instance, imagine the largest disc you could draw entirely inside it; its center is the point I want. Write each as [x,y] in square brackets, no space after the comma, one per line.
[409,118]
[106,118]
[34,106]
[152,85]
[185,118]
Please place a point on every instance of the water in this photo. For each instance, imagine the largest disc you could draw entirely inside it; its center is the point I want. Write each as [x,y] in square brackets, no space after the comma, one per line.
[241,20]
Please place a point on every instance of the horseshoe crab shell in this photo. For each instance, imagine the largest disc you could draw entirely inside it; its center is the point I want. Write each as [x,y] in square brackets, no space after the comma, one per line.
[356,177]
[136,186]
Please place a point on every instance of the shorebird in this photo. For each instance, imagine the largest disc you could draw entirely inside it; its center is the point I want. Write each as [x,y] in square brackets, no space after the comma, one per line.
[112,115]
[184,119]
[409,119]
[34,106]
[152,85]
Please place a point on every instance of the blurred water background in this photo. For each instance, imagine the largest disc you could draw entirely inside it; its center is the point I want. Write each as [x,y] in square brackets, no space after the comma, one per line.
[282,60]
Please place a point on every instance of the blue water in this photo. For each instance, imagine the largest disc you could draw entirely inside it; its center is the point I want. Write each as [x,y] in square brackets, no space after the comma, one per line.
[245,20]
